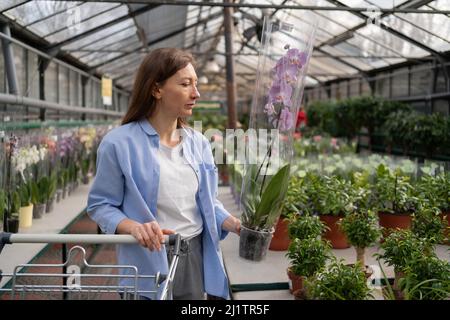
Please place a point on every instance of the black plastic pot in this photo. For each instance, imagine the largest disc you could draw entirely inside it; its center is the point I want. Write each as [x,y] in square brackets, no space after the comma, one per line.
[13,225]
[253,245]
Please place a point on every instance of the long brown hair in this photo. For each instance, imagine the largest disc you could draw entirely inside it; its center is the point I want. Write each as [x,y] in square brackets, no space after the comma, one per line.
[158,66]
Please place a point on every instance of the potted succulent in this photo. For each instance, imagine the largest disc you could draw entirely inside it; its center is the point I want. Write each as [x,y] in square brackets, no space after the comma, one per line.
[307,256]
[261,209]
[338,282]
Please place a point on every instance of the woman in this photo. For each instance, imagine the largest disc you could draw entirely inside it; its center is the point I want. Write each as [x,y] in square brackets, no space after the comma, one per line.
[156,176]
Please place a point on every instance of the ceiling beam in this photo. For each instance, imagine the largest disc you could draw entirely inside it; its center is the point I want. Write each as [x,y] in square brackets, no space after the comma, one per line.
[274,6]
[162,38]
[59,45]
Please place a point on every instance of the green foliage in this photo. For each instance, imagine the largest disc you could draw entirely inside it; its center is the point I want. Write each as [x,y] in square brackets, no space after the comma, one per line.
[426,278]
[15,202]
[40,190]
[305,226]
[3,204]
[339,282]
[262,211]
[25,193]
[335,196]
[307,256]
[435,190]
[361,228]
[428,224]
[400,247]
[393,192]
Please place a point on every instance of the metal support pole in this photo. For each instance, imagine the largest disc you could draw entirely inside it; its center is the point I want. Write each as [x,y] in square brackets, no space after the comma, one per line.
[231,85]
[9,61]
[64,270]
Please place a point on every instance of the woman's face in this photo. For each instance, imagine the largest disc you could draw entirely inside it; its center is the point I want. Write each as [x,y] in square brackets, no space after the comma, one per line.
[179,93]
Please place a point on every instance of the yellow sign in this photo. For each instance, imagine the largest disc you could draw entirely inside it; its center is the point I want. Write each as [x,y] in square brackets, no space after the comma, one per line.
[106,87]
[107,91]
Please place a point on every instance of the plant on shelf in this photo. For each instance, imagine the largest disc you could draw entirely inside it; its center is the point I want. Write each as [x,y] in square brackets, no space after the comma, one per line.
[426,278]
[427,223]
[13,220]
[399,248]
[362,230]
[338,282]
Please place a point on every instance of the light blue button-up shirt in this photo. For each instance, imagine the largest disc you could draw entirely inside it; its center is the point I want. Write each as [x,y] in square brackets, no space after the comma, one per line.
[126,186]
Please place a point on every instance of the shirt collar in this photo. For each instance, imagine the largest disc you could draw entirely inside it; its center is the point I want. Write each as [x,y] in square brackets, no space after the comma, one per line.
[147,127]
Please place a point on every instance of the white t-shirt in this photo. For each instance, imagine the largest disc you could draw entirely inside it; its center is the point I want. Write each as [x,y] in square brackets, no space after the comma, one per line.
[178,185]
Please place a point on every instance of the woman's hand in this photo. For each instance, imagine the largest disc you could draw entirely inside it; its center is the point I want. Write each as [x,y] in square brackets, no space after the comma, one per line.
[148,234]
[232,224]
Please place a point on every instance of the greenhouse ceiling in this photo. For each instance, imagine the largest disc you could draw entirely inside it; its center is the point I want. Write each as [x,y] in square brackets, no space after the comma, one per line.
[353,36]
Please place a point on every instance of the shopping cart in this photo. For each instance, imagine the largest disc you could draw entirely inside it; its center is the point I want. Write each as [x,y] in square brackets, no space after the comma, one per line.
[83,280]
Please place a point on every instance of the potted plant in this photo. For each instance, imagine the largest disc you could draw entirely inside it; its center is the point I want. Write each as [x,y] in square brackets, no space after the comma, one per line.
[276,100]
[395,198]
[362,230]
[3,201]
[426,278]
[338,282]
[13,219]
[261,209]
[39,191]
[51,191]
[280,240]
[399,248]
[335,201]
[26,210]
[429,224]
[307,256]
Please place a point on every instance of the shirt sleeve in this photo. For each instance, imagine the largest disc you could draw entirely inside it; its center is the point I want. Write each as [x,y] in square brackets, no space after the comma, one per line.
[220,212]
[107,192]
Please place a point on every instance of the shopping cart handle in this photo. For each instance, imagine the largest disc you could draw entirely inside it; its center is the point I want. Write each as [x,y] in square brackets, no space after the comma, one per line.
[5,238]
[174,240]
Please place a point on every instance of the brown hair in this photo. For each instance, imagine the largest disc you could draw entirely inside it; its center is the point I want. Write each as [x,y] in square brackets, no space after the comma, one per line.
[158,66]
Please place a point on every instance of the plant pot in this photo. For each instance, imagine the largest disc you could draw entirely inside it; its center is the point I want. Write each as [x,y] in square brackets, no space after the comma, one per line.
[59,193]
[394,221]
[13,225]
[38,210]
[296,282]
[253,245]
[85,179]
[335,235]
[280,240]
[49,204]
[65,192]
[26,216]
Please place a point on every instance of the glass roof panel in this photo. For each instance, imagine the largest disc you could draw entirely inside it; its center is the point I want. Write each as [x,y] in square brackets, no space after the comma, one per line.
[88,24]
[6,4]
[35,10]
[440,4]
[340,53]
[70,18]
[101,35]
[388,40]
[417,34]
[437,24]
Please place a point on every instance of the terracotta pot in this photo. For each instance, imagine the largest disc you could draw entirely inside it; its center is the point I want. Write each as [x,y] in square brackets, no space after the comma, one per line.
[280,240]
[394,221]
[295,282]
[334,234]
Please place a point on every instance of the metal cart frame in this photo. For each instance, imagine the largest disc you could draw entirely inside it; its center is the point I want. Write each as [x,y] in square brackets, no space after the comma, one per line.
[72,278]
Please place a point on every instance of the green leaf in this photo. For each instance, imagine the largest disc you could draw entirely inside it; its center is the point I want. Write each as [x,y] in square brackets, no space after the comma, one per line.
[273,196]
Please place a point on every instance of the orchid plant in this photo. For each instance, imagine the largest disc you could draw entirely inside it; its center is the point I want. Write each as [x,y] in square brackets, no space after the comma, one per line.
[279,89]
